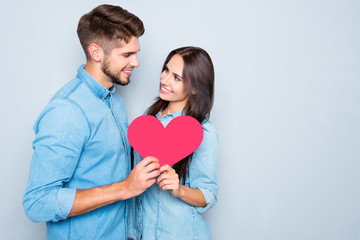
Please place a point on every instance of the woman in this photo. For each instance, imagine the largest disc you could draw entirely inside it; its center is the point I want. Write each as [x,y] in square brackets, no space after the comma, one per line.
[171,208]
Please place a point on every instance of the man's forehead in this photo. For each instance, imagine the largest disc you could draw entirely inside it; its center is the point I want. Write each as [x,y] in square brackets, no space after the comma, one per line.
[131,46]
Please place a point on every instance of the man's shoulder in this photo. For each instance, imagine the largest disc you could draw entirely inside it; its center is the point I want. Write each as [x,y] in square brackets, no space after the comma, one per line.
[63,104]
[72,87]
[75,92]
[62,112]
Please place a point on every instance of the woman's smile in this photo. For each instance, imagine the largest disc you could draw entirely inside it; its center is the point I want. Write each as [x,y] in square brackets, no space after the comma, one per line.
[165,90]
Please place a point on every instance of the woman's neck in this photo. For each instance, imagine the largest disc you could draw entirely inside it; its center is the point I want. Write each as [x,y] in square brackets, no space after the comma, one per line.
[172,108]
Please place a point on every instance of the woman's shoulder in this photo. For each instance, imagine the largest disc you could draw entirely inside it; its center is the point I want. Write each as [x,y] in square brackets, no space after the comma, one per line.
[209,130]
[208,126]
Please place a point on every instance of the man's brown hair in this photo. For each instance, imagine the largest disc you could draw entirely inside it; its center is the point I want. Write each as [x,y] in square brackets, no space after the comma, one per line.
[105,24]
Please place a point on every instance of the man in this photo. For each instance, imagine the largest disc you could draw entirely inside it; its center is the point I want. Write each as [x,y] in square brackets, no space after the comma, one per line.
[79,178]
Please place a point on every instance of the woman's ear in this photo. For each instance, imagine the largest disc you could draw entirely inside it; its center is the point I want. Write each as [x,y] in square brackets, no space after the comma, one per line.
[96,52]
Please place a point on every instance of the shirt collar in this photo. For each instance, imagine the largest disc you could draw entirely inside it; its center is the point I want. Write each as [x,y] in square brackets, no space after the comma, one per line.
[172,115]
[96,87]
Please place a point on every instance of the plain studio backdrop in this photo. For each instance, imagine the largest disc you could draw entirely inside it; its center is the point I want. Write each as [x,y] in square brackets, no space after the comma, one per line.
[287,105]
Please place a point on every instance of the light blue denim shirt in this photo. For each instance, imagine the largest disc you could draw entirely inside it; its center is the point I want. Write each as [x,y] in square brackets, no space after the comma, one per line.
[158,215]
[80,143]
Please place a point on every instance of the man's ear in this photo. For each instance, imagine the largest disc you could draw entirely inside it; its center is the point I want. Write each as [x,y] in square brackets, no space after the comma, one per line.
[96,52]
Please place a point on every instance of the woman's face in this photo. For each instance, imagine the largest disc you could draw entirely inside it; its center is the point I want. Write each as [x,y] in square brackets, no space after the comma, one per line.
[172,84]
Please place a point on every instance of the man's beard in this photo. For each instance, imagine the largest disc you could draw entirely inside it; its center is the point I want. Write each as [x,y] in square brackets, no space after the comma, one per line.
[115,78]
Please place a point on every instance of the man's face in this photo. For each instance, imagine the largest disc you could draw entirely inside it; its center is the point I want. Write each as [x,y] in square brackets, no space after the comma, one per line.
[117,65]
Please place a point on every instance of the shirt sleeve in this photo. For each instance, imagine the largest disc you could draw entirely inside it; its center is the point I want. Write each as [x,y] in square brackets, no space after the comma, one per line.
[61,131]
[202,170]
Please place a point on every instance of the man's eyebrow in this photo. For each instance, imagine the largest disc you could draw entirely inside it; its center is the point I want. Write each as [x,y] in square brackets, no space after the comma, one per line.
[133,52]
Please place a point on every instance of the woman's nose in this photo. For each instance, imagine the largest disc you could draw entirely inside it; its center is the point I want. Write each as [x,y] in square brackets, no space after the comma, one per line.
[164,79]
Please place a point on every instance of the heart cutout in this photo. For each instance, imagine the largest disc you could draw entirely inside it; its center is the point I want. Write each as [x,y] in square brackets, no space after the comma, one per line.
[181,137]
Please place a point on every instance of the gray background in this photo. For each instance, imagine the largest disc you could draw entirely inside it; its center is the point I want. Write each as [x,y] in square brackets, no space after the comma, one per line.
[287,105]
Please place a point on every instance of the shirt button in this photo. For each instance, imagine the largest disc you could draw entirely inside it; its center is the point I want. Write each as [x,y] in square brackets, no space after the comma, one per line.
[101,97]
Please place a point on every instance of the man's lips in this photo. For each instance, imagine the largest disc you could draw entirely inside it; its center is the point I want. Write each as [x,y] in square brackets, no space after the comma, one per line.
[127,71]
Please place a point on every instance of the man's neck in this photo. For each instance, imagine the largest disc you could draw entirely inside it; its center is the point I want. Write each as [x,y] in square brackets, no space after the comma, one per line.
[95,71]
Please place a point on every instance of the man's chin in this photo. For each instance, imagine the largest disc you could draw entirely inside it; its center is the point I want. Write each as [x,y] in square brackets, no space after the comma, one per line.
[121,82]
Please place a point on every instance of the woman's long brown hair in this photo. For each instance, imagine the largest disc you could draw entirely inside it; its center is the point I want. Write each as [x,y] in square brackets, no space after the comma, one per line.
[198,75]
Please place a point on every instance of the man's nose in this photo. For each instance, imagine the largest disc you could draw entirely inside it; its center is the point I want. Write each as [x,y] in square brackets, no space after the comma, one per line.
[135,61]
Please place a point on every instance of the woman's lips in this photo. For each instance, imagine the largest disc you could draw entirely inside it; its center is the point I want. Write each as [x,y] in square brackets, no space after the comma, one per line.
[164,90]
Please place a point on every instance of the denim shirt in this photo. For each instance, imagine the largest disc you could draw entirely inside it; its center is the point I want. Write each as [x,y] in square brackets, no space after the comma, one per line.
[158,215]
[80,143]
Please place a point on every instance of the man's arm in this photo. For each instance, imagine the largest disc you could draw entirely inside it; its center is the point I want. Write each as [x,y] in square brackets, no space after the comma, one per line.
[139,179]
[61,131]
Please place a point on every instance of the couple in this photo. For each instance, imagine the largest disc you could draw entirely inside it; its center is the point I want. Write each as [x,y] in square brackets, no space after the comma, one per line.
[81,182]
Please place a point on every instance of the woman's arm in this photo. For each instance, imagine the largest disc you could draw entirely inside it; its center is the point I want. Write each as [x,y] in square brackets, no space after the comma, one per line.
[203,189]
[169,180]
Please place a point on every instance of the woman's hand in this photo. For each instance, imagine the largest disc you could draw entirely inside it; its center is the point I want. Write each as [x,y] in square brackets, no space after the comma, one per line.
[169,180]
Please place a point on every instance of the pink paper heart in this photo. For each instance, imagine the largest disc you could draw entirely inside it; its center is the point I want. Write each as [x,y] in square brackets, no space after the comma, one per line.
[181,137]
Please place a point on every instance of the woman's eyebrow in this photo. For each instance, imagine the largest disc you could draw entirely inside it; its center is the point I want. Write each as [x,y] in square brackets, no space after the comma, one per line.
[177,75]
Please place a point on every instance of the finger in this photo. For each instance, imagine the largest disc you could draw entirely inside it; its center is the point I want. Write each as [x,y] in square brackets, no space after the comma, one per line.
[151,166]
[165,167]
[172,175]
[164,176]
[163,183]
[170,182]
[161,177]
[168,186]
[153,174]
[147,161]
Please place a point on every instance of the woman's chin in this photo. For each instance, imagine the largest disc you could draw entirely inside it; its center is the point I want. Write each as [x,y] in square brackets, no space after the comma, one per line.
[162,97]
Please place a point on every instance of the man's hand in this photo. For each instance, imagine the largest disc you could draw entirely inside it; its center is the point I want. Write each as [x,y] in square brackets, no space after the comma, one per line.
[142,176]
